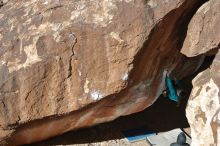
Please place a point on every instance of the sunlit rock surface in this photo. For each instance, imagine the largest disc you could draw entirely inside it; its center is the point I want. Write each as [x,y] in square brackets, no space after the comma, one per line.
[203,37]
[68,64]
[203,31]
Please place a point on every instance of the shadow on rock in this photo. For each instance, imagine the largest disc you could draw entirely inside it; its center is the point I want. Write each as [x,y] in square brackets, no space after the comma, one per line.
[163,115]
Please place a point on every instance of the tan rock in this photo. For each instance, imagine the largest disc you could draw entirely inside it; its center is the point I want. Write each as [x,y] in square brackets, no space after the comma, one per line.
[203,31]
[69,64]
[203,37]
[203,107]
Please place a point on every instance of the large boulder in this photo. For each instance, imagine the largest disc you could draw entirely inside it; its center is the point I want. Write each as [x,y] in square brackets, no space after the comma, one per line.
[68,64]
[203,32]
[203,37]
[203,108]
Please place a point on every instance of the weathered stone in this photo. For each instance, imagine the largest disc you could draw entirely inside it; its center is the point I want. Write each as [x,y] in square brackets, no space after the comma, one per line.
[203,31]
[203,106]
[69,64]
[203,37]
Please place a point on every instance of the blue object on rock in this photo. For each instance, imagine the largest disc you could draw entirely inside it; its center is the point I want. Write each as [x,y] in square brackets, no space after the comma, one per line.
[171,90]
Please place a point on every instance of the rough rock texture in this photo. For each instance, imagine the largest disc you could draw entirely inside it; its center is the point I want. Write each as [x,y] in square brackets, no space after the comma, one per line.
[67,64]
[203,37]
[204,106]
[203,31]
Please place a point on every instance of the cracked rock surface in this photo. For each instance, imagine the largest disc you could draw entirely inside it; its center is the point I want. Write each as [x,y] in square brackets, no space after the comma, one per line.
[68,64]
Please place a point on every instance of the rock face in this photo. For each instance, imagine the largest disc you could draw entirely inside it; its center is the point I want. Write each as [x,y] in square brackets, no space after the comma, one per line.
[203,107]
[68,64]
[203,33]
[203,37]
